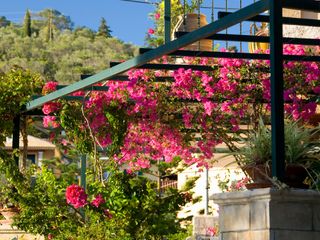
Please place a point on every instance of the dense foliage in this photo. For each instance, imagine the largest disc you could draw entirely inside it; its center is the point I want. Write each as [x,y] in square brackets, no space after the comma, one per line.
[58,51]
[128,207]
[17,86]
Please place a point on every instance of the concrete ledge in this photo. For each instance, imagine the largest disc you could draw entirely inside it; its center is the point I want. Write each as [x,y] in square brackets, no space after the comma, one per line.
[265,193]
[269,214]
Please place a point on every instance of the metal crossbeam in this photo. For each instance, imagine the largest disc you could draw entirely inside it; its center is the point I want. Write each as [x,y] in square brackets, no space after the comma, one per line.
[308,5]
[68,98]
[170,66]
[285,20]
[126,78]
[190,38]
[90,88]
[190,53]
[251,38]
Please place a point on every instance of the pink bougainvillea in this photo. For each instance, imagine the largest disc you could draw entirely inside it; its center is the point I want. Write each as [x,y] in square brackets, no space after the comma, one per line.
[97,201]
[157,16]
[76,196]
[50,107]
[50,121]
[151,31]
[49,87]
[188,116]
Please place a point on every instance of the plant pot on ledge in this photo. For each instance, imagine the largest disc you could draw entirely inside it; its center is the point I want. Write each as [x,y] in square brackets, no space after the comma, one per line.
[260,174]
[189,23]
[301,144]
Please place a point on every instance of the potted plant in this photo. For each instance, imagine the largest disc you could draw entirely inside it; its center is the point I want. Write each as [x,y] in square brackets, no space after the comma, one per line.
[188,21]
[301,155]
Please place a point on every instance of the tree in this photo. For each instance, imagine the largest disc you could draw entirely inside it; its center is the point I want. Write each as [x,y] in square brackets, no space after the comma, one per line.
[27,24]
[4,21]
[104,29]
[71,53]
[60,21]
[50,26]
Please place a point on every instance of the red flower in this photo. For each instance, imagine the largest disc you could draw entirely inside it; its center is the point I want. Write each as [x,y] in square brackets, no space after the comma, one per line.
[50,107]
[76,196]
[151,31]
[107,213]
[49,87]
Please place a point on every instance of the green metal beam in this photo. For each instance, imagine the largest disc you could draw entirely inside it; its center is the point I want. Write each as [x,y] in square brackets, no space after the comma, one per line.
[308,5]
[90,88]
[304,58]
[253,38]
[167,21]
[285,20]
[214,27]
[277,100]
[68,98]
[83,180]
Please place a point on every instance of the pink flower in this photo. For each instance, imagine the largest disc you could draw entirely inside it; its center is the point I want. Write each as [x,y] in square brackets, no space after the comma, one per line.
[50,121]
[76,196]
[157,16]
[64,142]
[151,31]
[50,236]
[50,107]
[208,107]
[98,201]
[212,231]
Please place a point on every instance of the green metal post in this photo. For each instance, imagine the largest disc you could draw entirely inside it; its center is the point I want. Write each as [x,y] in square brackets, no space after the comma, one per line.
[167,20]
[277,101]
[15,137]
[83,181]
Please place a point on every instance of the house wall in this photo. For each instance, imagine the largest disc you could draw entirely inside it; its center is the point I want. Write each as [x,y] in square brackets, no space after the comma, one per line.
[215,174]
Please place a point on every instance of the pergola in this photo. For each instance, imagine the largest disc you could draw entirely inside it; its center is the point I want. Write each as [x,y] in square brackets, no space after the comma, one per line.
[211,31]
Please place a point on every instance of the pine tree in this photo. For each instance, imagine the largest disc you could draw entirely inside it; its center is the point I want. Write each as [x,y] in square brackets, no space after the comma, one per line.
[104,29]
[27,24]
[49,28]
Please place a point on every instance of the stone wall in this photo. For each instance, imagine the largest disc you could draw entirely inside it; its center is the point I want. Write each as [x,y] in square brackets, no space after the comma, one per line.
[301,31]
[269,214]
[201,223]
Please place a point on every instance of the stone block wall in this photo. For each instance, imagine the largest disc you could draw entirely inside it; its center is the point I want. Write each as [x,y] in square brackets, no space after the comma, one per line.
[269,214]
[201,223]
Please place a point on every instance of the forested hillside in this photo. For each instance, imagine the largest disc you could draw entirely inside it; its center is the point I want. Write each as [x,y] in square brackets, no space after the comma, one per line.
[47,43]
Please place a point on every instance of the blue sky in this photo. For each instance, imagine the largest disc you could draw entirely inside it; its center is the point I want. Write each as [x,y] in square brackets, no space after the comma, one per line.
[128,21]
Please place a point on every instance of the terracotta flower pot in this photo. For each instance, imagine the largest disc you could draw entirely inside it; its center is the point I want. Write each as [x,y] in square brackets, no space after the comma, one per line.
[192,22]
[261,175]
